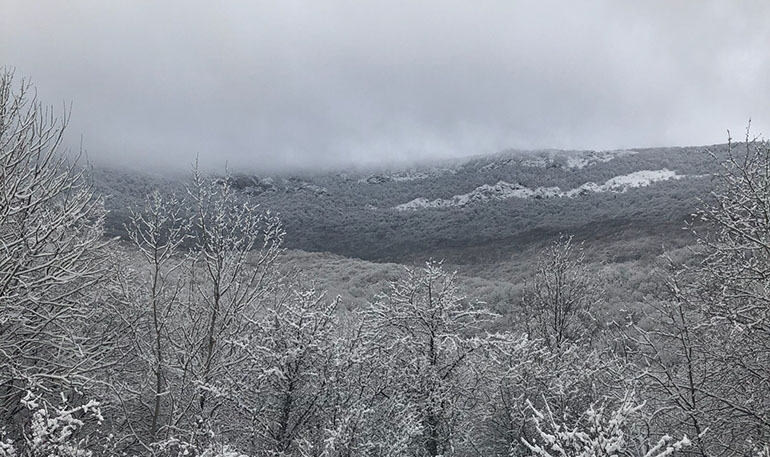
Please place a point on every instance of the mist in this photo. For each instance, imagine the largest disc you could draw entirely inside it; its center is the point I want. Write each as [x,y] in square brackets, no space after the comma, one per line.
[271,86]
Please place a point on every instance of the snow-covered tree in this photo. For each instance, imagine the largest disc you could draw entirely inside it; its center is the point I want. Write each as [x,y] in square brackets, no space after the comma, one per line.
[232,272]
[430,336]
[733,229]
[200,272]
[56,430]
[276,380]
[155,384]
[706,361]
[732,285]
[559,300]
[365,414]
[518,373]
[674,366]
[599,433]
[53,336]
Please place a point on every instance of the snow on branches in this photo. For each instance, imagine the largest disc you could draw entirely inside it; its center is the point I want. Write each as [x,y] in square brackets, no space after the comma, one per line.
[599,433]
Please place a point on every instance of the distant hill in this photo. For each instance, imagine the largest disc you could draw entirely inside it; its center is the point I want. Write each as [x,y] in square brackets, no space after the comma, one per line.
[479,210]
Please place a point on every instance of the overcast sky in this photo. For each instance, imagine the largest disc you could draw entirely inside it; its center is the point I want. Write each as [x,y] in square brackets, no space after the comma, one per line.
[264,85]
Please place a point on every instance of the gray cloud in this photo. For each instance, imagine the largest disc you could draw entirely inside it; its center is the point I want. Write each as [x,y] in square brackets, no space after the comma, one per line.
[265,85]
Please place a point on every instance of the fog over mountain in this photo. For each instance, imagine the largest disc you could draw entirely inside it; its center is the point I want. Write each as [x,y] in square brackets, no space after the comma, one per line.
[309,85]
[413,228]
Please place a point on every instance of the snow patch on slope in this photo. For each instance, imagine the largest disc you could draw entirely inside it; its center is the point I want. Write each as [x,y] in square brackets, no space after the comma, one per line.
[504,190]
[500,191]
[640,179]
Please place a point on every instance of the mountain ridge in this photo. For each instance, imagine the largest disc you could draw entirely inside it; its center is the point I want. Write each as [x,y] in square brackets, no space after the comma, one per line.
[355,214]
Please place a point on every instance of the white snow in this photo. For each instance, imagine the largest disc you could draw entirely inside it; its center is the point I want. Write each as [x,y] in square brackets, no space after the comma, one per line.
[620,184]
[639,179]
[577,162]
[504,190]
[500,191]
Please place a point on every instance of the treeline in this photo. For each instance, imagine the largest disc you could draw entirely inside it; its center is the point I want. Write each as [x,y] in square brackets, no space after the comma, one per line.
[185,337]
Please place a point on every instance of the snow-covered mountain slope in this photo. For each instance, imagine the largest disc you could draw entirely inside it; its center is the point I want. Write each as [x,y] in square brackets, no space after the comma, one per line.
[573,160]
[504,190]
[488,205]
[565,160]
[500,191]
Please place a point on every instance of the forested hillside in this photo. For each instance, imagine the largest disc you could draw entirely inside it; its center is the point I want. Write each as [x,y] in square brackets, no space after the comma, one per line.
[362,215]
[543,303]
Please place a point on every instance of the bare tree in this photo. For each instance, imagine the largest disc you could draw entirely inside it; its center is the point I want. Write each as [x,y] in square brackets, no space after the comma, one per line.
[430,334]
[674,367]
[51,256]
[205,268]
[366,415]
[705,360]
[155,383]
[727,290]
[561,296]
[232,273]
[277,379]
[736,237]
